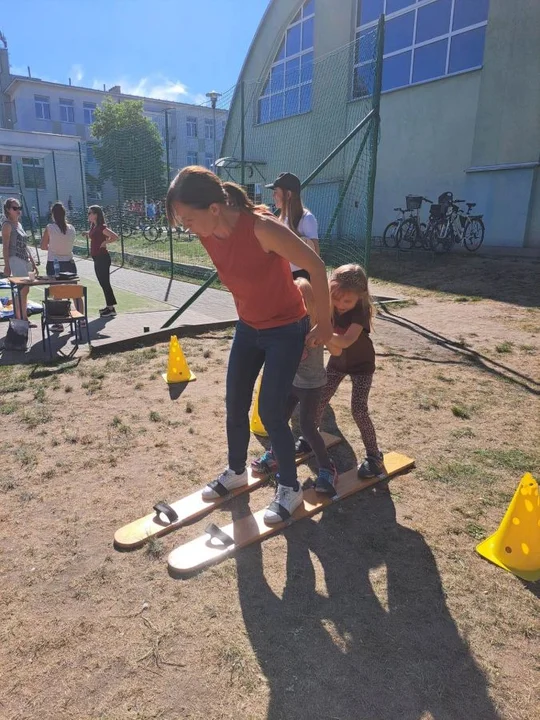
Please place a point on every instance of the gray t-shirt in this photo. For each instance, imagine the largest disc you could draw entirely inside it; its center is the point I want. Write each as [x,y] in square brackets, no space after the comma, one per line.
[311,372]
[17,240]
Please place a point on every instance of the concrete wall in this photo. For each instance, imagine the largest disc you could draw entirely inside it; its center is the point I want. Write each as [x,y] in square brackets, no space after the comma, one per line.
[427,134]
[432,134]
[507,128]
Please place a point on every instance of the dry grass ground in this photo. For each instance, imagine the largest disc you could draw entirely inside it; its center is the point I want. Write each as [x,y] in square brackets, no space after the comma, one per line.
[379,609]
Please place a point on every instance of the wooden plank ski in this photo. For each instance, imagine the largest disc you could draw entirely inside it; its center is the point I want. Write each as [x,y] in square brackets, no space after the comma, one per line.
[190,508]
[206,550]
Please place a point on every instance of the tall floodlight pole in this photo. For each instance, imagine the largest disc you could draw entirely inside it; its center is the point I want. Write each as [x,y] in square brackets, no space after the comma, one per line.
[213,96]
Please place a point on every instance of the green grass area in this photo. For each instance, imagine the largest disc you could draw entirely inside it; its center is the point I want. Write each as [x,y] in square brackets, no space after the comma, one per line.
[127,301]
[190,252]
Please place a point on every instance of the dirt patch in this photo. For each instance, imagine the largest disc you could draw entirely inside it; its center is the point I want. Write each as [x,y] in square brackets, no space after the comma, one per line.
[377,609]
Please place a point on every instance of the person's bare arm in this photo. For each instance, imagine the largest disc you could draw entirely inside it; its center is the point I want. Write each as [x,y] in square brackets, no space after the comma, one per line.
[274,236]
[333,349]
[6,236]
[45,240]
[110,235]
[348,338]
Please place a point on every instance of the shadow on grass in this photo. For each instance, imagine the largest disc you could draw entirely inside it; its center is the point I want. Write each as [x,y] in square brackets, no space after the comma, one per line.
[379,644]
[510,280]
[482,362]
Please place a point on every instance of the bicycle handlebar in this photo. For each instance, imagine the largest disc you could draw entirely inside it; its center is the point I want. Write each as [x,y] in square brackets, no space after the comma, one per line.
[399,210]
[459,201]
[428,200]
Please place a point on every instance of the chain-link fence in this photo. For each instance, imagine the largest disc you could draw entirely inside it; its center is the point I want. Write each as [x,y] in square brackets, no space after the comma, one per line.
[316,118]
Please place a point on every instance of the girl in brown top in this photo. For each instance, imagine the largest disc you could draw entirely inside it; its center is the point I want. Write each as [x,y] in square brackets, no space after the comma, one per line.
[353,355]
[100,236]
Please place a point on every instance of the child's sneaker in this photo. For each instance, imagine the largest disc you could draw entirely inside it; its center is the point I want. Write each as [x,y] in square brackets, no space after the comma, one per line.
[326,481]
[302,447]
[266,464]
[284,504]
[372,467]
[222,486]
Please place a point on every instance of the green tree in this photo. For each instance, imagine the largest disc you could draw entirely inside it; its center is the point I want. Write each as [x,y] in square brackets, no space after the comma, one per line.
[130,150]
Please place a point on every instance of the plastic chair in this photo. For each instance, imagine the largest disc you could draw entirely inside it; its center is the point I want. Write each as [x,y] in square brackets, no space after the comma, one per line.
[58,309]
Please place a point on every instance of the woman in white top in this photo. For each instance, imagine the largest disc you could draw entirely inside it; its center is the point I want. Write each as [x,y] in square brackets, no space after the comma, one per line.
[287,200]
[58,240]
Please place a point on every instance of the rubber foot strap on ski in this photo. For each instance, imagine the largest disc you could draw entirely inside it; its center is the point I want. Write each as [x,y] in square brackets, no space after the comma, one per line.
[163,507]
[218,487]
[325,486]
[218,534]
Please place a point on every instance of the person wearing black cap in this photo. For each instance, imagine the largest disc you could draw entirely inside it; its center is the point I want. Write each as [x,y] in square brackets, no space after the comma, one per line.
[287,199]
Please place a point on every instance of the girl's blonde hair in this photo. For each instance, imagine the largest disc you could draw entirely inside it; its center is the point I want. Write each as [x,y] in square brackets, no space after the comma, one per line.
[309,299]
[352,278]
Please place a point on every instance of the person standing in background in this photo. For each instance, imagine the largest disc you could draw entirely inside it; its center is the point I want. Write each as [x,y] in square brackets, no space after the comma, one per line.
[300,220]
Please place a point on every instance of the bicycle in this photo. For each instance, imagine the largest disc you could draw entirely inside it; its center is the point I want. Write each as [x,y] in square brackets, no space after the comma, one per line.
[392,232]
[413,233]
[456,226]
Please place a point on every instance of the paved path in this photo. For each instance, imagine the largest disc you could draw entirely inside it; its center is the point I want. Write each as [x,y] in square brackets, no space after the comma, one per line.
[211,306]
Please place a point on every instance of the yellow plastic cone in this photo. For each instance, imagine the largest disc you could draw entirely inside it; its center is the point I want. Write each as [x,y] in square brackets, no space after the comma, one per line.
[177,368]
[255,424]
[516,544]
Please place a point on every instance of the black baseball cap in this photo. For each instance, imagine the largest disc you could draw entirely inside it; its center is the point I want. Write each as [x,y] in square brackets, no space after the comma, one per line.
[286,181]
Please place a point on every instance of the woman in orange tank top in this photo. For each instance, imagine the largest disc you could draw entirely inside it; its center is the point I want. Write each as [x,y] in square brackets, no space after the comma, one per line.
[251,251]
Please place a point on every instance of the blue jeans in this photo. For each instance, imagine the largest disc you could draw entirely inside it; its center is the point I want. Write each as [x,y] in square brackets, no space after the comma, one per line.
[280,350]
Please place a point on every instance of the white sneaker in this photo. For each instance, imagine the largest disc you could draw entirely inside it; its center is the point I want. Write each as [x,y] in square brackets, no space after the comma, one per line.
[284,504]
[222,486]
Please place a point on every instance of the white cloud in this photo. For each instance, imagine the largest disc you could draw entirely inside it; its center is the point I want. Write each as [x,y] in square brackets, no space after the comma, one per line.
[158,87]
[76,74]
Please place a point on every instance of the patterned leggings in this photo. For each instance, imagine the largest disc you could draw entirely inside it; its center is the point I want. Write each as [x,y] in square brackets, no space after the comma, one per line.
[361,385]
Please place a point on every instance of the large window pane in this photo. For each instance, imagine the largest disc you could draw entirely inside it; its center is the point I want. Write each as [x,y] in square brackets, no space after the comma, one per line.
[6,176]
[363,80]
[398,33]
[292,98]
[365,45]
[281,52]
[307,34]
[264,111]
[306,74]
[276,107]
[394,5]
[469,12]
[293,40]
[305,98]
[277,76]
[369,10]
[396,71]
[292,72]
[430,61]
[309,7]
[467,50]
[433,20]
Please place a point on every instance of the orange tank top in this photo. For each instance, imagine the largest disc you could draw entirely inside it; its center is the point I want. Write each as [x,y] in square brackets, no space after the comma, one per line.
[261,283]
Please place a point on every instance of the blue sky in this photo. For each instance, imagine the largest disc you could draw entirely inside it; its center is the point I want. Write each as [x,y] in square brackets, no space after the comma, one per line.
[172,49]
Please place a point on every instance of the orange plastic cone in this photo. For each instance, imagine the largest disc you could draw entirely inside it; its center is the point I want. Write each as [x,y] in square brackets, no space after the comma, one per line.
[177,368]
[255,424]
[516,544]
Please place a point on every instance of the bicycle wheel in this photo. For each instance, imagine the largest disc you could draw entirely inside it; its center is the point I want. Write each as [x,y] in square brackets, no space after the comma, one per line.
[473,235]
[441,238]
[424,237]
[150,233]
[389,235]
[407,235]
